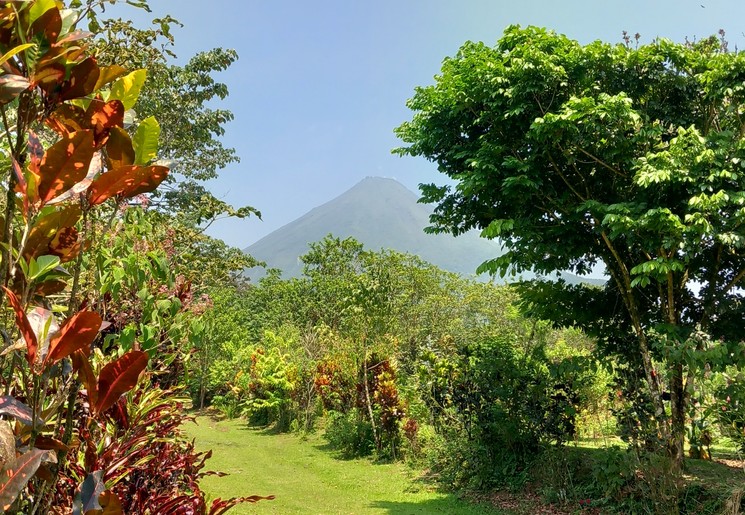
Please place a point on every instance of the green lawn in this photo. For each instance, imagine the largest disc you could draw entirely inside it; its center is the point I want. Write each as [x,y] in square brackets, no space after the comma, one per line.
[307,478]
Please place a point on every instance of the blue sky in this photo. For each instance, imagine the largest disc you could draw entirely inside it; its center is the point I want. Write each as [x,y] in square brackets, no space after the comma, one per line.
[321,84]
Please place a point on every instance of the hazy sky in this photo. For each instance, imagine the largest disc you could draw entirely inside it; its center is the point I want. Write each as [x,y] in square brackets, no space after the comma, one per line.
[321,84]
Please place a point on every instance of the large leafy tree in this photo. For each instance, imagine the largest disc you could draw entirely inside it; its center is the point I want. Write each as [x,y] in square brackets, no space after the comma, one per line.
[182,99]
[631,157]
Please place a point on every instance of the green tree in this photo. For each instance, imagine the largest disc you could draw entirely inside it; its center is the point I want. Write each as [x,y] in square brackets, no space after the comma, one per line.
[181,99]
[575,155]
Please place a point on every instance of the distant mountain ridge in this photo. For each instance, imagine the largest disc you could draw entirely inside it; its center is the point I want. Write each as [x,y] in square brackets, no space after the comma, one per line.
[380,213]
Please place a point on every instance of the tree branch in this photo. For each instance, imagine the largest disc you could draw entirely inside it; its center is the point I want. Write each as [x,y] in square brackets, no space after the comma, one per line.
[566,181]
[602,163]
[734,281]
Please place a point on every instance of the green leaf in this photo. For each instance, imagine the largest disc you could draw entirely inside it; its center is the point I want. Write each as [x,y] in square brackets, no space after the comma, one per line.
[38,9]
[497,227]
[24,266]
[127,88]
[40,266]
[145,141]
[69,17]
[13,51]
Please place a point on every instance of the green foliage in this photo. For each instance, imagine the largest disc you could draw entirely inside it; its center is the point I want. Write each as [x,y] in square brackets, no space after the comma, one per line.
[52,196]
[181,99]
[506,400]
[575,155]
[729,410]
[139,289]
[269,386]
[350,432]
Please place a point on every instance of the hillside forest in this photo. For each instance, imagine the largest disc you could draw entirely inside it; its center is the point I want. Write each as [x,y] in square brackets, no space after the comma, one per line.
[121,319]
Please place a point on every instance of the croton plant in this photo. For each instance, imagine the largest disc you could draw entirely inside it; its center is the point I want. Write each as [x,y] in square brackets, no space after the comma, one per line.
[72,148]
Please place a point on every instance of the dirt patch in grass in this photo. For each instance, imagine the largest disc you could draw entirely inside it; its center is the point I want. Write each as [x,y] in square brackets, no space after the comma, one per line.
[530,503]
[736,465]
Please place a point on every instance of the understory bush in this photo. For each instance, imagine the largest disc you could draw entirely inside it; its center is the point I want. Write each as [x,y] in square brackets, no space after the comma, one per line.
[729,410]
[268,389]
[498,403]
[350,433]
[616,480]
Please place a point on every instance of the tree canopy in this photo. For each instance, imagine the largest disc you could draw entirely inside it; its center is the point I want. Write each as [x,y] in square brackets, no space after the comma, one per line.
[181,98]
[629,156]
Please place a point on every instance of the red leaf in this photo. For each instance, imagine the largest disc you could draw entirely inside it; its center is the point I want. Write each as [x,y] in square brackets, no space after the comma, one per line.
[35,151]
[68,118]
[65,163]
[9,405]
[86,375]
[82,81]
[65,244]
[126,181]
[110,503]
[77,333]
[11,86]
[49,23]
[24,325]
[28,195]
[118,377]
[45,230]
[14,480]
[62,54]
[104,116]
[81,186]
[119,149]
[20,178]
[50,287]
[50,443]
[49,78]
[75,35]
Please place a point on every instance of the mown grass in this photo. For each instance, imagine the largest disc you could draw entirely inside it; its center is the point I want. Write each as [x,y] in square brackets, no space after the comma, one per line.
[307,478]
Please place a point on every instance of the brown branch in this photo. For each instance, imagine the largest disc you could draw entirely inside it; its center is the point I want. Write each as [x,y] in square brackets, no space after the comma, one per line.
[537,101]
[566,181]
[671,299]
[734,281]
[582,178]
[713,279]
[624,284]
[602,163]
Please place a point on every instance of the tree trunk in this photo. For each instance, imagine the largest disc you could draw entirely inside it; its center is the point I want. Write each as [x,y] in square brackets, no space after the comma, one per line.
[622,279]
[678,408]
[202,394]
[369,405]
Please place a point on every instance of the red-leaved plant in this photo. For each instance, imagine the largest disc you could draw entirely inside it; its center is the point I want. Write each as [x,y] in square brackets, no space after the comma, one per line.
[75,442]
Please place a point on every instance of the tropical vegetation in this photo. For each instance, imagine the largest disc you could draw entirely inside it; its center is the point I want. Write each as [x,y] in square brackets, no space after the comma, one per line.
[119,312]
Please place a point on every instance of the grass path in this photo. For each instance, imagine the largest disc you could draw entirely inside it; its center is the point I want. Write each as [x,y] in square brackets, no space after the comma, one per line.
[307,478]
